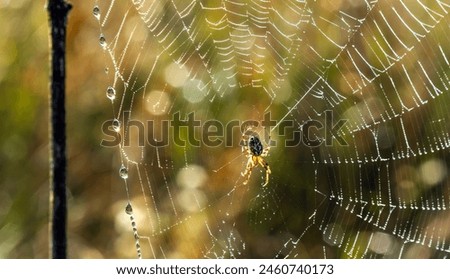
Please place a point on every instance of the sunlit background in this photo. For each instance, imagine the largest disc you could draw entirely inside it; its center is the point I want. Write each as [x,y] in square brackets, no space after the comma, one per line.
[98,226]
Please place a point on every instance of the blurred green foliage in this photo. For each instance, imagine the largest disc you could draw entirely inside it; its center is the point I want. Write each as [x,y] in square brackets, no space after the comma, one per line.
[23,144]
[24,167]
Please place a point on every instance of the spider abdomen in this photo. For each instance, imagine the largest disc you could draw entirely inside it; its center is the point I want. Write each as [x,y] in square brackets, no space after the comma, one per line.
[255,146]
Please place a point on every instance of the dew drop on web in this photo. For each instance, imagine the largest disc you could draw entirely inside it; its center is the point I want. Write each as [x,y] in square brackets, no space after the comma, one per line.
[102,41]
[96,12]
[123,172]
[129,209]
[116,125]
[111,93]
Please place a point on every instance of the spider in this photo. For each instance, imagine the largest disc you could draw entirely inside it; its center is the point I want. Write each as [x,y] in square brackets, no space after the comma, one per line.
[255,152]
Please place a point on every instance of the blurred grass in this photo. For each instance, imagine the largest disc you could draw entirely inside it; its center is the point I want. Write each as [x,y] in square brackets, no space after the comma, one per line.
[23,144]
[24,87]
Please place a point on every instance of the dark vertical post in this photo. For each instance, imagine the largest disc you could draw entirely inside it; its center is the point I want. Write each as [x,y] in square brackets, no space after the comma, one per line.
[58,11]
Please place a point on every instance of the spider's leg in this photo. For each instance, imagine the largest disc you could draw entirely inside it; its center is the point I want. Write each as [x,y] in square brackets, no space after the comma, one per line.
[244,142]
[266,166]
[265,151]
[245,149]
[248,170]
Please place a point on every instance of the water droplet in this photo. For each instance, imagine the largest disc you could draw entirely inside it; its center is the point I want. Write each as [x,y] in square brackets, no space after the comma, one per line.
[123,172]
[116,125]
[106,70]
[129,209]
[96,12]
[111,93]
[102,41]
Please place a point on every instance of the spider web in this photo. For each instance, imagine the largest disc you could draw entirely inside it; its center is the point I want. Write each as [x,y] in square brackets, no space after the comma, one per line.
[375,187]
